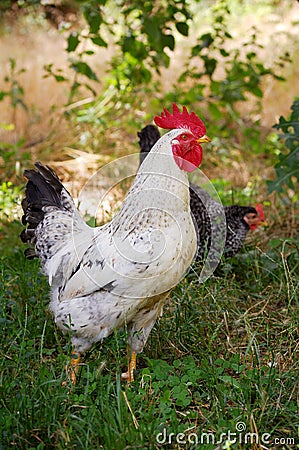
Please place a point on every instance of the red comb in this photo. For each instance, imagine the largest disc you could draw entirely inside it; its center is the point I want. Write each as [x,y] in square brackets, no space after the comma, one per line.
[181,120]
[260,211]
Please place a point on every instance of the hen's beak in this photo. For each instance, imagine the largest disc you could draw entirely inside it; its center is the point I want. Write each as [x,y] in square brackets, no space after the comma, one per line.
[204,138]
[263,223]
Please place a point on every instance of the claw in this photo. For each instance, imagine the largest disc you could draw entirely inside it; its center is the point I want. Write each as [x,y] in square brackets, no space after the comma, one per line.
[129,375]
[75,362]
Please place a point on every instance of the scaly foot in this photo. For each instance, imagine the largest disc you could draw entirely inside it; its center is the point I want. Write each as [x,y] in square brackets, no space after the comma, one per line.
[129,375]
[75,362]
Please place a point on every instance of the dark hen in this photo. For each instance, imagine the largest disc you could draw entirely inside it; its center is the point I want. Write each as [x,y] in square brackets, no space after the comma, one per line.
[208,213]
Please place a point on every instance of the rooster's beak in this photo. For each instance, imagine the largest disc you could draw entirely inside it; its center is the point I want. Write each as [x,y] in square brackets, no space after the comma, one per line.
[204,138]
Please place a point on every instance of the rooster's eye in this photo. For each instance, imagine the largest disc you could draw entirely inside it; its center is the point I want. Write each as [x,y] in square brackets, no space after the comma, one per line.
[184,137]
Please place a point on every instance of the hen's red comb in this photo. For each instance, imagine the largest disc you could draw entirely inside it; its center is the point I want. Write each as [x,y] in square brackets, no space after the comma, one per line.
[260,211]
[181,120]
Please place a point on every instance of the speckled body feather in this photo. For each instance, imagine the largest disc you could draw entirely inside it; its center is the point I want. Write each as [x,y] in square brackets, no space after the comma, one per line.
[121,273]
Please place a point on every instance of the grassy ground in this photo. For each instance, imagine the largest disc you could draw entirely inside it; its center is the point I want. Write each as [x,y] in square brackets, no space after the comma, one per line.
[222,360]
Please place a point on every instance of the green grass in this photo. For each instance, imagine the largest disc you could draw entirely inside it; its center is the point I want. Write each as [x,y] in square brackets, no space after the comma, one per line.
[223,355]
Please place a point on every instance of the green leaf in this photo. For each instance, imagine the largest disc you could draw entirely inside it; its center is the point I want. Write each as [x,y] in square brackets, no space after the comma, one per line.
[166,396]
[230,380]
[2,95]
[228,35]
[168,41]
[97,40]
[182,28]
[257,91]
[128,44]
[176,363]
[223,52]
[72,42]
[94,18]
[82,67]
[278,77]
[287,166]
[206,40]
[210,65]
[90,89]
[151,27]
[12,63]
[60,78]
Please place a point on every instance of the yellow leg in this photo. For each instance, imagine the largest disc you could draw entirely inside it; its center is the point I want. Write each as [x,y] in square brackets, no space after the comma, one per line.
[75,361]
[129,376]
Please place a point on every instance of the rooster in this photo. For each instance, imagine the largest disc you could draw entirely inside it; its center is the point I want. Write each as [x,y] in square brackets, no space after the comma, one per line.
[119,274]
[208,213]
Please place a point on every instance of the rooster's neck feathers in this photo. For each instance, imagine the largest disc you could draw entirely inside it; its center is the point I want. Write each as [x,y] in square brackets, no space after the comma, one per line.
[206,210]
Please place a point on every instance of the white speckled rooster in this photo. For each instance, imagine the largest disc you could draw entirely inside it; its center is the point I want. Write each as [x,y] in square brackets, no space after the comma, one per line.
[119,274]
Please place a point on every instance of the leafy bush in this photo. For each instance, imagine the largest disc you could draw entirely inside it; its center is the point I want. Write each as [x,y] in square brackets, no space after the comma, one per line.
[219,72]
[287,167]
[15,91]
[9,197]
[142,40]
[223,73]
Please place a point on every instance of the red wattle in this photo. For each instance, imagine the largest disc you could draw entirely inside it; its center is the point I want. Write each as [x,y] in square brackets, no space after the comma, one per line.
[190,160]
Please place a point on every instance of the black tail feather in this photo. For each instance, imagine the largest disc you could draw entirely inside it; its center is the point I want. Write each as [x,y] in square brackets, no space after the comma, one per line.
[30,253]
[43,185]
[27,235]
[148,136]
[43,189]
